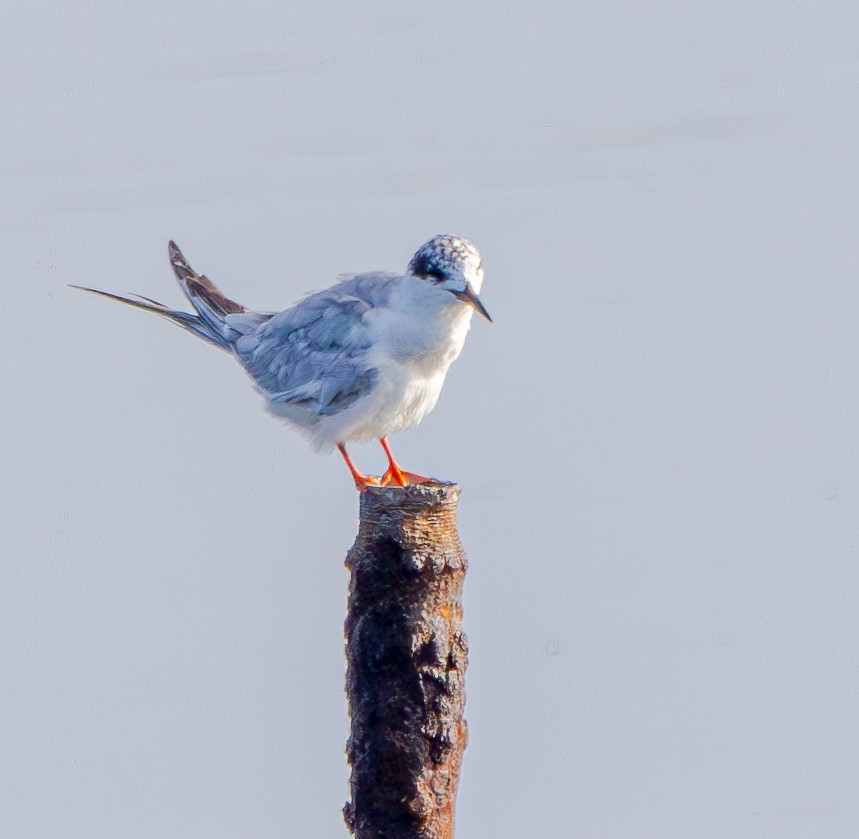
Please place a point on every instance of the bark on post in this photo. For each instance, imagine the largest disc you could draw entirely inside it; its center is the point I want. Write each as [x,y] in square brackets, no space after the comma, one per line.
[406,656]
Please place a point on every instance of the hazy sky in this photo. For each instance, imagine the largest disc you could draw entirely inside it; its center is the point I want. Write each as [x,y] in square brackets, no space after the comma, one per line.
[656,439]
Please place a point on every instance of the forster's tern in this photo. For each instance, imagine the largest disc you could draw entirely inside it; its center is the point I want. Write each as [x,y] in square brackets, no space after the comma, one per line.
[361,360]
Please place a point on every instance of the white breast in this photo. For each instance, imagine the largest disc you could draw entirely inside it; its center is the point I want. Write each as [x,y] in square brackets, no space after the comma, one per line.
[415,341]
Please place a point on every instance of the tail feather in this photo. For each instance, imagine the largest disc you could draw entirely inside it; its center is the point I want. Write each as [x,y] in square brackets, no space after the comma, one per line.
[192,323]
[212,307]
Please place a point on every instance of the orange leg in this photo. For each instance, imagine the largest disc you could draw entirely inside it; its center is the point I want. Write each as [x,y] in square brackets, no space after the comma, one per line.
[396,476]
[361,481]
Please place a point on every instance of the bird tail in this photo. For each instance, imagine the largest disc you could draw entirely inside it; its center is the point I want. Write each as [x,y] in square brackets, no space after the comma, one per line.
[210,304]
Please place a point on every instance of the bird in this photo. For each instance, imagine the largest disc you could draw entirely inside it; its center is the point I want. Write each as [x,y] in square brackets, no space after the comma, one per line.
[360,360]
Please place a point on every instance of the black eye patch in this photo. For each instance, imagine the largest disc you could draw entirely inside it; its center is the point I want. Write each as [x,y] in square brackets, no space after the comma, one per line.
[426,267]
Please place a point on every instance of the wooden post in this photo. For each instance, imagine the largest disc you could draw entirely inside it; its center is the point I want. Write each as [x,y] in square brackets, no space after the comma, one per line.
[406,658]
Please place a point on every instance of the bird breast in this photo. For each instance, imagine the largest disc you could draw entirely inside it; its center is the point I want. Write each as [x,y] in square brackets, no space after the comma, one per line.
[427,339]
[412,354]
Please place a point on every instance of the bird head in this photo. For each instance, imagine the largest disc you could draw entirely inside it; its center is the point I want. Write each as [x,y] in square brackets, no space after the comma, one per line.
[451,264]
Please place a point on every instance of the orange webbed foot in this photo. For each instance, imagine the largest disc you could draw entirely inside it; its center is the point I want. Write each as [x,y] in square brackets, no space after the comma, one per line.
[396,477]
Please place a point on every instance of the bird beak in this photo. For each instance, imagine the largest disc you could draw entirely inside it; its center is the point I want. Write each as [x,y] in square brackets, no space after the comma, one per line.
[469,296]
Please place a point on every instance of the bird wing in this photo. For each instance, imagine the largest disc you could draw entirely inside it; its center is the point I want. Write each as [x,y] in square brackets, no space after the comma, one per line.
[216,318]
[314,354]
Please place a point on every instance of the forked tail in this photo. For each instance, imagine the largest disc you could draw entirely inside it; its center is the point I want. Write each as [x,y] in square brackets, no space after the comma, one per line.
[211,306]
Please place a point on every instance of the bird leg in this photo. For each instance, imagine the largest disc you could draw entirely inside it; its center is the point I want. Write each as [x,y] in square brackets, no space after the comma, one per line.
[361,481]
[396,476]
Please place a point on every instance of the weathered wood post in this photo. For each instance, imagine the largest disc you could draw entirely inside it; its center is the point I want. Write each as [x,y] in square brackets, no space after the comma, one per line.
[406,658]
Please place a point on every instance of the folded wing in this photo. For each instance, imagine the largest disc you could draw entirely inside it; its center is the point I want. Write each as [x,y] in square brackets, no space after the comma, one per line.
[314,355]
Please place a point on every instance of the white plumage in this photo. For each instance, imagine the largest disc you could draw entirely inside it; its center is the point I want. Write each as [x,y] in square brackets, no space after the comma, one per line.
[363,359]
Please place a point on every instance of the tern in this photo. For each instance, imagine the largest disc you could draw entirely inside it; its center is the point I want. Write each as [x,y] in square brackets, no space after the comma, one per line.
[359,361]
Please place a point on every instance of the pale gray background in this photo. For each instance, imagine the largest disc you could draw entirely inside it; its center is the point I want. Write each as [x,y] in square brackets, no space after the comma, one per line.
[657,439]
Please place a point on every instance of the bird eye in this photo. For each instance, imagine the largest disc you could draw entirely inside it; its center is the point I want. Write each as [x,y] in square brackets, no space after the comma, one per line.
[427,268]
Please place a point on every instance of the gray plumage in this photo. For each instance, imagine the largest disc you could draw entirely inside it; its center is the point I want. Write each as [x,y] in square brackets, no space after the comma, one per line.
[365,358]
[325,331]
[284,352]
